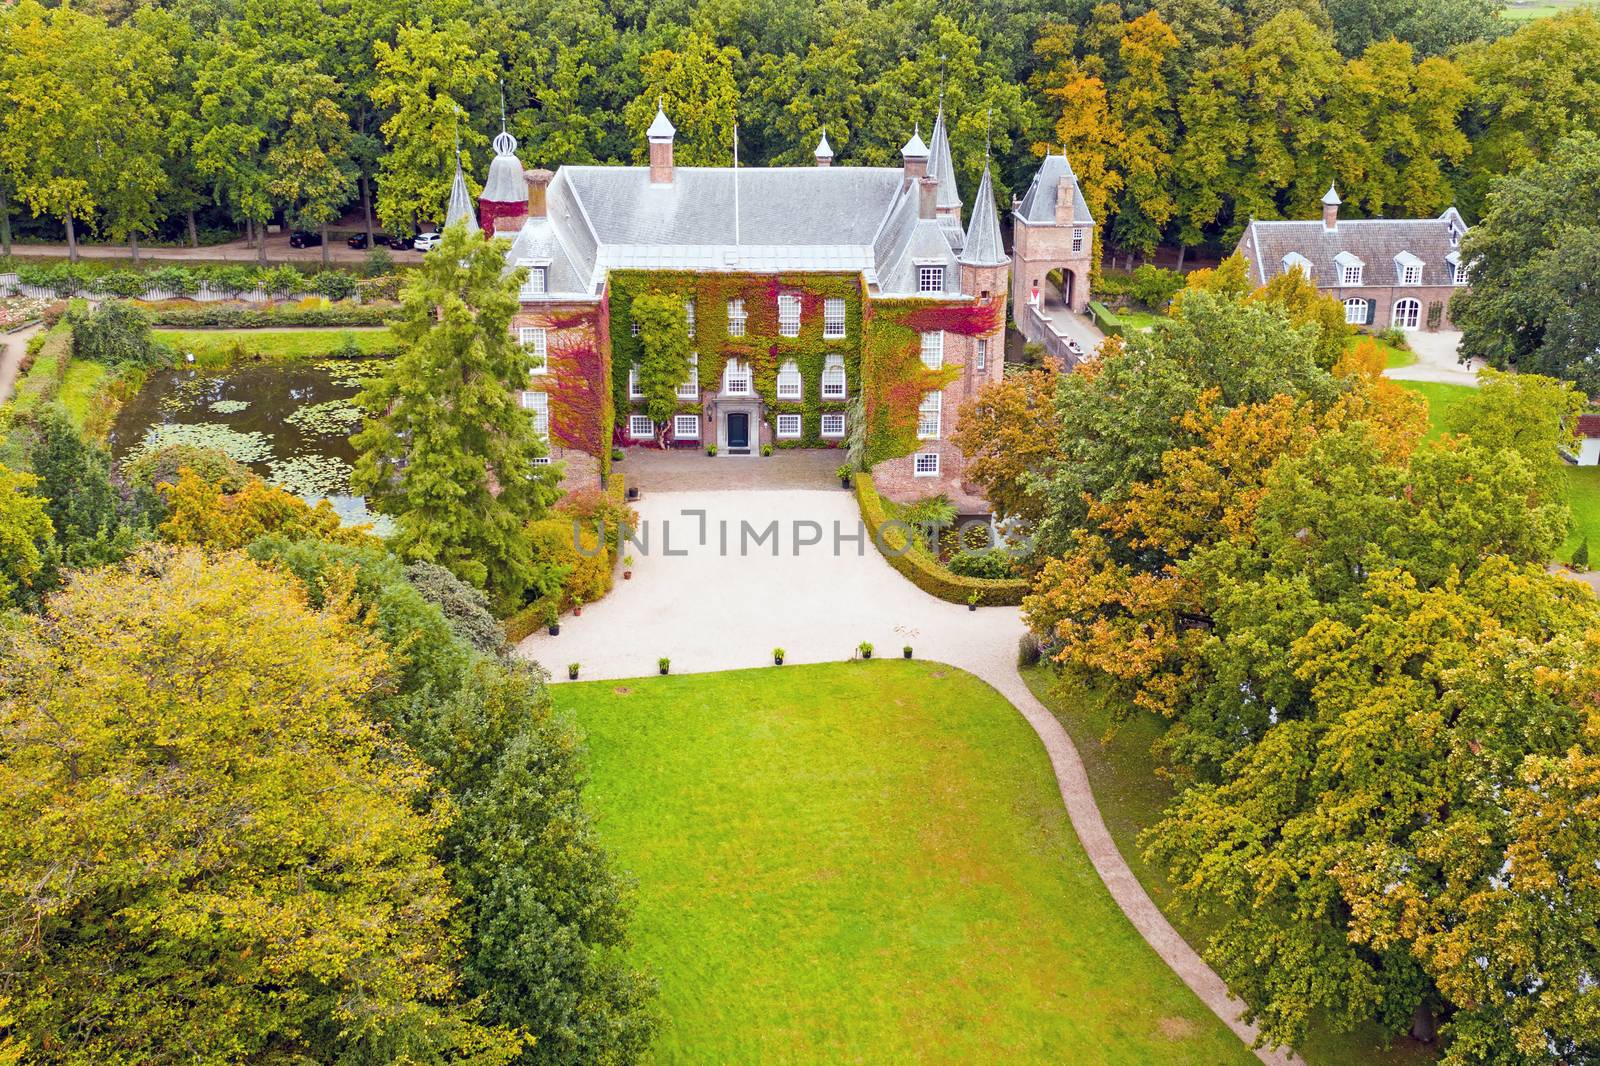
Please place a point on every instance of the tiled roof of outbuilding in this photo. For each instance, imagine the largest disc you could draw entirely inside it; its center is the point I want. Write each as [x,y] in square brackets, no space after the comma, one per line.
[1039,202]
[1376,242]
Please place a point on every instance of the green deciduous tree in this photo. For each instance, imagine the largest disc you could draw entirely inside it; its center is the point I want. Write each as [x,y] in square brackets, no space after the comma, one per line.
[695,83]
[447,449]
[25,536]
[311,169]
[1147,117]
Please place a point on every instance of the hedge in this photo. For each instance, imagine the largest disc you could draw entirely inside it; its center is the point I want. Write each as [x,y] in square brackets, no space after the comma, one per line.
[532,617]
[921,568]
[235,316]
[1109,323]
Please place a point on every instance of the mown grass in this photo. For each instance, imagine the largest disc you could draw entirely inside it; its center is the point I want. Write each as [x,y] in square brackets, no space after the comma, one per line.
[867,862]
[219,347]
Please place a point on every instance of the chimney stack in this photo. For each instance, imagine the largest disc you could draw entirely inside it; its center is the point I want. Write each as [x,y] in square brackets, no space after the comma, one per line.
[1330,209]
[915,155]
[928,191]
[1065,201]
[660,135]
[538,188]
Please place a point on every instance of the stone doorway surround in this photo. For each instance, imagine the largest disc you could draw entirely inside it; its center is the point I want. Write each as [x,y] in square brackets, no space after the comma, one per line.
[749,406]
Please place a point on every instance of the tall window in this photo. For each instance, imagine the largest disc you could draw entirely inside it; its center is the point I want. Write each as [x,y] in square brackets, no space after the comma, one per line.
[833,379]
[788,426]
[933,349]
[634,392]
[928,416]
[927,464]
[1355,311]
[930,279]
[1407,314]
[736,318]
[539,404]
[534,341]
[688,316]
[983,353]
[833,425]
[536,283]
[686,427]
[833,318]
[789,386]
[788,315]
[640,427]
[1077,239]
[736,378]
[690,388]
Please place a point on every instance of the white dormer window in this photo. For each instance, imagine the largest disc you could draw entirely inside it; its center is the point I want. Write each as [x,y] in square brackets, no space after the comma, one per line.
[736,378]
[688,316]
[930,278]
[533,341]
[537,283]
[689,388]
[788,315]
[833,318]
[933,349]
[1458,269]
[1296,261]
[1408,269]
[833,379]
[736,318]
[1350,268]
[789,385]
[929,415]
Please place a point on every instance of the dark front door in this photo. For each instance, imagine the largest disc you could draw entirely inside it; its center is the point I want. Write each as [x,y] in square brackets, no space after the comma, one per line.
[738,430]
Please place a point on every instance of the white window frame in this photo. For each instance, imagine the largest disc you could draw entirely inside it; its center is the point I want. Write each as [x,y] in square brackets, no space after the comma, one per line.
[930,279]
[688,317]
[537,284]
[1411,275]
[640,427]
[833,318]
[837,418]
[788,314]
[930,415]
[1351,275]
[791,386]
[535,339]
[1458,276]
[1394,313]
[794,427]
[634,392]
[835,382]
[679,424]
[541,460]
[1077,239]
[933,349]
[732,374]
[1358,306]
[982,355]
[925,464]
[538,403]
[737,317]
[690,388]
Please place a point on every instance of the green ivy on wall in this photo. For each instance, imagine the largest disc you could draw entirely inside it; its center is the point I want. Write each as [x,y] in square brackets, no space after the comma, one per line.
[894,380]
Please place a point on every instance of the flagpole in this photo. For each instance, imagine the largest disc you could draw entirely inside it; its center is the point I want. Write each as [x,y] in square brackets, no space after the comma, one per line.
[736,185]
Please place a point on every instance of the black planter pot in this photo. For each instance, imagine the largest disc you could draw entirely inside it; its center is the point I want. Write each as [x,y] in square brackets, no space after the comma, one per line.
[972,607]
[663,671]
[555,629]
[777,660]
[906,652]
[633,492]
[866,655]
[844,483]
[572,673]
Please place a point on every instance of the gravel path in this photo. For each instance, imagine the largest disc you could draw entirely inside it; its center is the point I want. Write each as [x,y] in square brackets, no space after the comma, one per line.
[707,608]
[1436,360]
[13,346]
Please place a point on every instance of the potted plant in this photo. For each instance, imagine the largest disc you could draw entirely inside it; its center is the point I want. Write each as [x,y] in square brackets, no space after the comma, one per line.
[617,455]
[777,656]
[572,671]
[577,606]
[711,449]
[664,664]
[972,601]
[552,620]
[627,568]
[906,651]
[766,451]
[844,475]
[865,649]
[633,492]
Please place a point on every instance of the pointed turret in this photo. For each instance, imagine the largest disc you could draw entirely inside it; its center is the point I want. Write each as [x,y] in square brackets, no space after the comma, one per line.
[824,151]
[503,204]
[460,209]
[982,246]
[940,166]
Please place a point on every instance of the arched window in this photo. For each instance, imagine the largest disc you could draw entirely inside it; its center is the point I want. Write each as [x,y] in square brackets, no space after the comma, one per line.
[736,378]
[789,386]
[833,380]
[1407,314]
[1355,311]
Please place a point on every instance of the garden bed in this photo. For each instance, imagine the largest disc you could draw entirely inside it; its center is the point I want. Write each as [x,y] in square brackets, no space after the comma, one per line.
[221,347]
[918,564]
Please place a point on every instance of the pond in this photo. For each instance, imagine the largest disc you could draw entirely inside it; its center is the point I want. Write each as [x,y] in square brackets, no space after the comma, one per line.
[289,422]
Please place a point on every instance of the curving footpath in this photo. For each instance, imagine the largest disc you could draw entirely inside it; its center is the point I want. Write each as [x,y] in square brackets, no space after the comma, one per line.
[709,608]
[13,346]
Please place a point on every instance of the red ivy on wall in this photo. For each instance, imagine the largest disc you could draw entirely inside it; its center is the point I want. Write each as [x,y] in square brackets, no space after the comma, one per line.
[579,382]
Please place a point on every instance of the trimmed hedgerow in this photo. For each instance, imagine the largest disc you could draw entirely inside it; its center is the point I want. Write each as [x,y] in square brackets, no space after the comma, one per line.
[919,567]
[234,316]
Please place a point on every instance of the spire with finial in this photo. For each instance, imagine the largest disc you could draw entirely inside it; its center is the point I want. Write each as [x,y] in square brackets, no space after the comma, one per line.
[982,246]
[460,208]
[824,152]
[915,148]
[941,166]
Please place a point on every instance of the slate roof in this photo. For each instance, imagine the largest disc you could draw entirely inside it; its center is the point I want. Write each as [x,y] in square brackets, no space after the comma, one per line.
[941,166]
[983,247]
[1376,242]
[1038,204]
[461,202]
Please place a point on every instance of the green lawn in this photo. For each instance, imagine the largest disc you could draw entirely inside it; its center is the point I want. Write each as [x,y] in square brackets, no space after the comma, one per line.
[867,862]
[1441,398]
[215,347]
[1122,772]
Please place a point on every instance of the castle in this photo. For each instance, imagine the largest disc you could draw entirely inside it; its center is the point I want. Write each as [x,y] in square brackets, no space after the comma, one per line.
[828,307]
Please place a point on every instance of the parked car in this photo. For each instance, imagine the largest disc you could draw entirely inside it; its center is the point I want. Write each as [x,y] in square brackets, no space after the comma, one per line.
[426,242]
[399,244]
[302,238]
[360,241]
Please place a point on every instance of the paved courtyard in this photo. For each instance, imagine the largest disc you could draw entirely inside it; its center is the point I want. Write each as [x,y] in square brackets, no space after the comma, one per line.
[1436,360]
[726,576]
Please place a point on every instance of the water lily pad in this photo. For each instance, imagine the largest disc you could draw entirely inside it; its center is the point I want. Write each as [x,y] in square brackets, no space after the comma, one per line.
[333,416]
[229,407]
[245,448]
[311,475]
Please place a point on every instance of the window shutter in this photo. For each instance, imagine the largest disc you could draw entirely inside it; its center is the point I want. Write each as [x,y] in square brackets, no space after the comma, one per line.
[1372,311]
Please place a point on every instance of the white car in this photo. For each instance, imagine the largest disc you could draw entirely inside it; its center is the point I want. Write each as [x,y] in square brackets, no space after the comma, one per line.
[427,242]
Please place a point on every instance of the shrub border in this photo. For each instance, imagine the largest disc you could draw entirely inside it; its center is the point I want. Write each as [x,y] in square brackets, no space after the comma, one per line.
[918,567]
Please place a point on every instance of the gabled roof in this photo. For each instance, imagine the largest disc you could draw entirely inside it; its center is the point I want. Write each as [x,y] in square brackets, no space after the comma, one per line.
[983,247]
[1038,206]
[1429,241]
[942,167]
[460,202]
